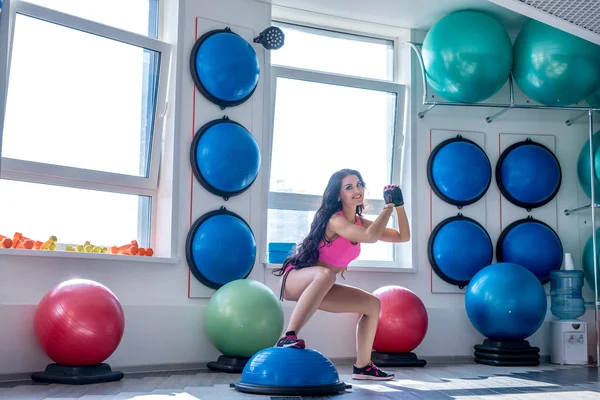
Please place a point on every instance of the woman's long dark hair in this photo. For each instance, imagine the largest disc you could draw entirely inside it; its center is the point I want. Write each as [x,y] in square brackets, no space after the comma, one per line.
[307,253]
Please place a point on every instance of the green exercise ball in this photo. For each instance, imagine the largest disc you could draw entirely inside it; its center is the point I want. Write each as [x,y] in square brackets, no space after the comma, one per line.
[587,260]
[594,99]
[243,317]
[467,56]
[583,168]
[553,67]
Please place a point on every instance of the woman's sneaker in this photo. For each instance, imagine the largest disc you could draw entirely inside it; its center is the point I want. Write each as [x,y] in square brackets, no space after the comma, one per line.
[291,341]
[371,373]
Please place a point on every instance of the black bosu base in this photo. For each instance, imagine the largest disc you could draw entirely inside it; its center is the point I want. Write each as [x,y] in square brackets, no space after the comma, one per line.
[396,360]
[325,390]
[77,375]
[507,353]
[229,364]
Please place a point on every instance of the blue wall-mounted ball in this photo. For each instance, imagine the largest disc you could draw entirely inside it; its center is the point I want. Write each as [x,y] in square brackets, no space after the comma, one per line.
[458,248]
[289,371]
[505,301]
[531,244]
[225,158]
[225,67]
[220,248]
[459,171]
[528,174]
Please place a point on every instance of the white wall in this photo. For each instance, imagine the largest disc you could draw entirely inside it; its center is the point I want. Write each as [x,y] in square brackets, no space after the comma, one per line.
[164,325]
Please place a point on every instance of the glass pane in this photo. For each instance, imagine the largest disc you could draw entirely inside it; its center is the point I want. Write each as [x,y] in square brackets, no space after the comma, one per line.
[139,16]
[379,251]
[293,226]
[335,52]
[322,128]
[72,215]
[79,100]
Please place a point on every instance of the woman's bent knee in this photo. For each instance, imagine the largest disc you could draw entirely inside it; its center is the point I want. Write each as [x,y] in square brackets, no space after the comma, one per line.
[325,276]
[374,306]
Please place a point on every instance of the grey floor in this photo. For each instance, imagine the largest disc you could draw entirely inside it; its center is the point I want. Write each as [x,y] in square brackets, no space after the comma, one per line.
[456,381]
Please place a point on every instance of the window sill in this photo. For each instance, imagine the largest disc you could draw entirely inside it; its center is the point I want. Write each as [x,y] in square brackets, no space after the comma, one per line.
[359,268]
[86,256]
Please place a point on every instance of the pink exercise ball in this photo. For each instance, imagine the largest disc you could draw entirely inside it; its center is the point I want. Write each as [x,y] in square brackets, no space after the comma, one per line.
[403,320]
[79,322]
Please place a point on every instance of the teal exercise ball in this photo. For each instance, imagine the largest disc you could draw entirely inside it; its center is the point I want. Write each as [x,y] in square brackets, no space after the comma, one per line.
[594,99]
[583,168]
[243,317]
[553,67]
[467,56]
[587,260]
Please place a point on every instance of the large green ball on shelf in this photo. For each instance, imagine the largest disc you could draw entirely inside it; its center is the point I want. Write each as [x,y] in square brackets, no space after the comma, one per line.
[467,56]
[583,168]
[594,99]
[554,67]
[587,260]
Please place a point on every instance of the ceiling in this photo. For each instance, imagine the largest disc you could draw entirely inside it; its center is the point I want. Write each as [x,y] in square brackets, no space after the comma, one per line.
[413,14]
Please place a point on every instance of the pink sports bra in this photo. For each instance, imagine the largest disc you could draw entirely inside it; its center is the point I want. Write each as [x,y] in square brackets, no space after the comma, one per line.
[340,252]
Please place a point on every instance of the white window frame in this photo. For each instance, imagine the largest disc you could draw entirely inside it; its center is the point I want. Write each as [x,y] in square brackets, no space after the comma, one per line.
[36,172]
[304,202]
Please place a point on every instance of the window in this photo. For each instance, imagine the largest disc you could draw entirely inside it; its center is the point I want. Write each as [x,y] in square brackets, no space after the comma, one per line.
[81,119]
[336,105]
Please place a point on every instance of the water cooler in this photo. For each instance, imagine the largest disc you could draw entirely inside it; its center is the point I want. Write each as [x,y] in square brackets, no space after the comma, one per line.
[568,335]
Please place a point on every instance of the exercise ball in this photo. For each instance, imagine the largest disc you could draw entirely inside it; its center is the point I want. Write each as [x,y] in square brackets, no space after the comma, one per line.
[458,248]
[505,301]
[533,245]
[79,322]
[587,260]
[583,167]
[243,317]
[594,99]
[554,67]
[467,56]
[289,371]
[403,320]
[224,67]
[220,248]
[528,174]
[459,171]
[225,157]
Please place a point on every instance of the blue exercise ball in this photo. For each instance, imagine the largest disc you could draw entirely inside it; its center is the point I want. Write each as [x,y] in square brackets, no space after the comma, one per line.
[531,244]
[459,171]
[528,174]
[220,248]
[458,248]
[554,67]
[225,67]
[289,371]
[467,56]
[583,167]
[225,158]
[505,301]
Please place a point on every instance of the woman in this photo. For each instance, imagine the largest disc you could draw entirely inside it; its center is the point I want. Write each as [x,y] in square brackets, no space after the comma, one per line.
[333,242]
